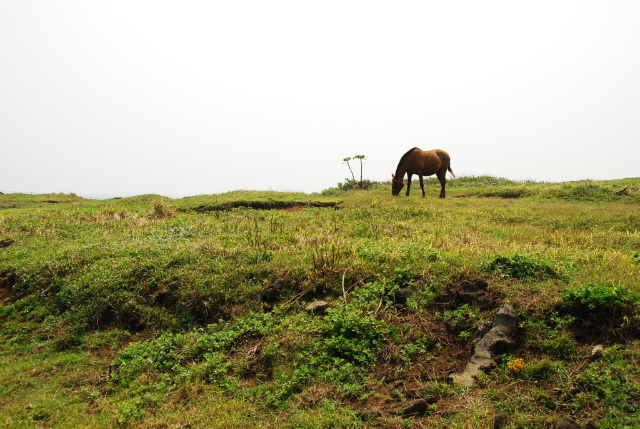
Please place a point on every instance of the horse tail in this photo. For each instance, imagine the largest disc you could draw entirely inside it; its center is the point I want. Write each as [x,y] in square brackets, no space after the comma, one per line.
[451,171]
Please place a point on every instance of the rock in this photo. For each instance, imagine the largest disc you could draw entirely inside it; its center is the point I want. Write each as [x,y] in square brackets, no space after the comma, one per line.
[401,295]
[418,407]
[495,342]
[481,282]
[317,307]
[596,352]
[470,291]
[271,293]
[506,318]
[568,423]
[500,421]
[431,400]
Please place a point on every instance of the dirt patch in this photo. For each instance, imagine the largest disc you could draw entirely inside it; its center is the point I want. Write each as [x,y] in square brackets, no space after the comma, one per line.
[6,243]
[603,326]
[400,376]
[6,283]
[263,205]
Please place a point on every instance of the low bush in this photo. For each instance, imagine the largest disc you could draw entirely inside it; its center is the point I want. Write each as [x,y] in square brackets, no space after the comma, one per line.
[599,296]
[522,267]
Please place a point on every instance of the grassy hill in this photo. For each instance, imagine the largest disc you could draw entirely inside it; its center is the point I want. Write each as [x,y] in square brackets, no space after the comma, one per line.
[193,312]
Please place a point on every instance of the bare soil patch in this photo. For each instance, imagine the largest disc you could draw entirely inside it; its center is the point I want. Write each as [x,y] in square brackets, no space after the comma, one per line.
[263,205]
[6,284]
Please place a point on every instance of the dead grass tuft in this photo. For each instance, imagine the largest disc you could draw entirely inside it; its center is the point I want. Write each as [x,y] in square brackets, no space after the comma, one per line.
[162,210]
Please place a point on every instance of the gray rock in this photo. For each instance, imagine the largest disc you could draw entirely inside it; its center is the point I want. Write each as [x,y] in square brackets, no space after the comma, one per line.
[596,352]
[568,423]
[418,407]
[317,307]
[495,342]
[500,421]
[271,293]
[506,318]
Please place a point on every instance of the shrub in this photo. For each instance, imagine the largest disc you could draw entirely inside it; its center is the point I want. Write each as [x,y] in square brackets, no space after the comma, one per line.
[351,334]
[583,192]
[599,296]
[522,267]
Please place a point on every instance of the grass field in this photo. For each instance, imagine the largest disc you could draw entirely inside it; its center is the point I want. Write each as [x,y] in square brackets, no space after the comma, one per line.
[153,312]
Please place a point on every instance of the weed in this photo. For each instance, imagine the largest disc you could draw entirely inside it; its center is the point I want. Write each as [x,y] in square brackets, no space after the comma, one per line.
[327,259]
[374,292]
[609,382]
[463,318]
[550,335]
[162,210]
[422,300]
[541,369]
[351,335]
[422,345]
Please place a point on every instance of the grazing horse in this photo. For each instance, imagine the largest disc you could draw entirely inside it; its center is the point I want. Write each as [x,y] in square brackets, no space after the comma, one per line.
[422,163]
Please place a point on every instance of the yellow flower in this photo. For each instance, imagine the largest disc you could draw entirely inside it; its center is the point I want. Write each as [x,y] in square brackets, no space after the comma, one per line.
[516,365]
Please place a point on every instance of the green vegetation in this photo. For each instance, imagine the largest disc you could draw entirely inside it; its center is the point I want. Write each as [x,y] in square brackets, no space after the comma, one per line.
[350,184]
[157,312]
[601,297]
[522,267]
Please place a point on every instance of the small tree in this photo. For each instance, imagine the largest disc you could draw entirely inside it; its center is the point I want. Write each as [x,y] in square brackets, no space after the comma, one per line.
[352,183]
[360,158]
[346,161]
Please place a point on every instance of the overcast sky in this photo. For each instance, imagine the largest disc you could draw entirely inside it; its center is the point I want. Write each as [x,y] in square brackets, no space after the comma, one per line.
[178,98]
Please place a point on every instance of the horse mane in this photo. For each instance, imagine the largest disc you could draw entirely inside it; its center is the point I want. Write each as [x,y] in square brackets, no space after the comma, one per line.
[404,158]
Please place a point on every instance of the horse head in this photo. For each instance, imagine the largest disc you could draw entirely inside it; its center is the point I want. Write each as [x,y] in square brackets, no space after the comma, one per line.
[396,184]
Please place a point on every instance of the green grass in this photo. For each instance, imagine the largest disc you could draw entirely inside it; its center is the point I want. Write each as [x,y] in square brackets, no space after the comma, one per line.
[143,312]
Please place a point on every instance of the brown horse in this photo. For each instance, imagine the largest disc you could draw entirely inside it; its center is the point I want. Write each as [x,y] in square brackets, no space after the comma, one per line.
[422,163]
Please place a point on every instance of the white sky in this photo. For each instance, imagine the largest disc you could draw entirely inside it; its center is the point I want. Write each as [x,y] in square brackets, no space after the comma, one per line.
[119,98]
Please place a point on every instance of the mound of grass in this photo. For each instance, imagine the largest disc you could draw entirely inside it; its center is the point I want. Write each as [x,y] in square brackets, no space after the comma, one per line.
[522,267]
[144,312]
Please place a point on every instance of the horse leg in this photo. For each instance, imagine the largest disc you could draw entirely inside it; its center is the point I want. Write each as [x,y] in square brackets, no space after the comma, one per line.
[442,177]
[421,185]
[408,183]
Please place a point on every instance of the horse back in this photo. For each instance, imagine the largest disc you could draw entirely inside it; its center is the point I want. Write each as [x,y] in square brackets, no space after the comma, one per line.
[444,157]
[428,162]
